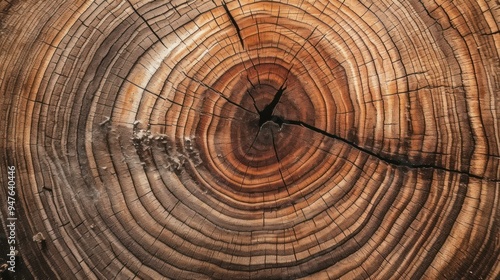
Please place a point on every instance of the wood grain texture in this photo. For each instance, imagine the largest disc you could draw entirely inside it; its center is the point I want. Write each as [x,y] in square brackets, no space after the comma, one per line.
[253,139]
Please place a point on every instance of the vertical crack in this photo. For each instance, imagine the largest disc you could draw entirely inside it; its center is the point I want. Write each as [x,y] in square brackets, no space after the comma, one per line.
[253,156]
[279,162]
[251,95]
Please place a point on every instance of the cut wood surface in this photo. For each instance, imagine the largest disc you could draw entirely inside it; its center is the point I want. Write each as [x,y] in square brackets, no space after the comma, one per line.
[252,139]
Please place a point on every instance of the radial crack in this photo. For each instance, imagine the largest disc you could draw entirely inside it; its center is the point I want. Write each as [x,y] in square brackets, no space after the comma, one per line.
[182,105]
[147,23]
[253,156]
[279,162]
[386,160]
[267,113]
[219,93]
[305,41]
[253,98]
[233,21]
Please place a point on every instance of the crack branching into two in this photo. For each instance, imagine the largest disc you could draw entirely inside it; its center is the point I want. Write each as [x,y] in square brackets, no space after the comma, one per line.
[267,113]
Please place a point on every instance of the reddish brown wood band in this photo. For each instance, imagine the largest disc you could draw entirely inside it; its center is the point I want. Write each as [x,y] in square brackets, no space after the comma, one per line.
[253,139]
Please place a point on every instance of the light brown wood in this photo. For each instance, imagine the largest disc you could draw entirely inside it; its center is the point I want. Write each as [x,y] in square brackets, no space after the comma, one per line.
[252,139]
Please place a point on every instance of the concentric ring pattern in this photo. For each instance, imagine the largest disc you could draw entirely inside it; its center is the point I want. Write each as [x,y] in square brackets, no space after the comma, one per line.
[255,139]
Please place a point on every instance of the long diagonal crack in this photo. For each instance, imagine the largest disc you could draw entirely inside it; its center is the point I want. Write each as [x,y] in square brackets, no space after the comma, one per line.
[147,23]
[233,21]
[180,104]
[371,153]
[219,93]
[267,115]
